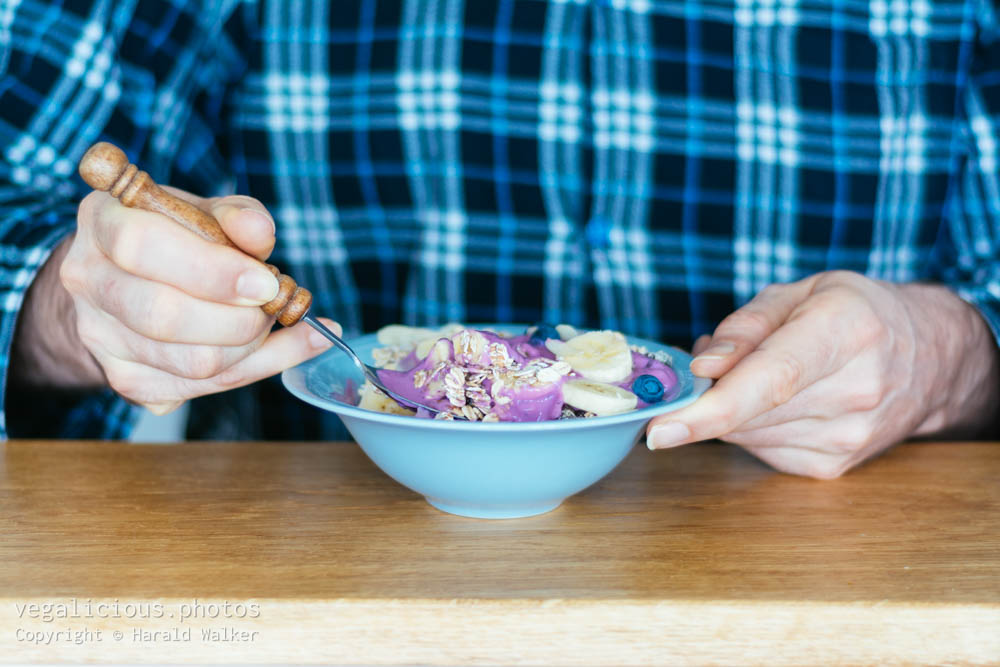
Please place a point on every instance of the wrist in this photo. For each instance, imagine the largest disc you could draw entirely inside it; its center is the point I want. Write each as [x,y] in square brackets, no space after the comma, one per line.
[960,360]
[47,352]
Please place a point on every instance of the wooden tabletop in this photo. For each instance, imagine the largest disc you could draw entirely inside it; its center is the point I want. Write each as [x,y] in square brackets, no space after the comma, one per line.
[307,553]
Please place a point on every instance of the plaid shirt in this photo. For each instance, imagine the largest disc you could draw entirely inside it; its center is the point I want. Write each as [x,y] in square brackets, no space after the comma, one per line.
[637,164]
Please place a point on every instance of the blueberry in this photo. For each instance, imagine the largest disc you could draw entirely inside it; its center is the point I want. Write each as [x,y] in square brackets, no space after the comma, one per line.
[543,332]
[648,388]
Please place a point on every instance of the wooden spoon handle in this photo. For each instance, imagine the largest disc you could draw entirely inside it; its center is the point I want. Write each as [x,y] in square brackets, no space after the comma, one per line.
[105,167]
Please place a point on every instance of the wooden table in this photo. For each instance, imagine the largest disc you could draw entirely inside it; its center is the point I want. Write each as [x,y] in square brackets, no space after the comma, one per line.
[307,553]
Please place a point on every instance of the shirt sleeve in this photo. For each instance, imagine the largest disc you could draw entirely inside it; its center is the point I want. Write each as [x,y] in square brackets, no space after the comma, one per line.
[30,232]
[51,108]
[971,248]
[152,81]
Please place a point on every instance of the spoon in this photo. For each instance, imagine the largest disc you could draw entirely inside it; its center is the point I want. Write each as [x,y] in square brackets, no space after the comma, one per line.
[105,167]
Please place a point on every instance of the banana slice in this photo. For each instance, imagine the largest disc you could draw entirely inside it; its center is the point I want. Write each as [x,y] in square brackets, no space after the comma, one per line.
[430,337]
[601,356]
[373,399]
[567,331]
[450,329]
[597,397]
[439,351]
[398,335]
[424,347]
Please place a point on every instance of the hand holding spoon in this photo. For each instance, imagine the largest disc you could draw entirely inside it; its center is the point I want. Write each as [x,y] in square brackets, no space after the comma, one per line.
[105,167]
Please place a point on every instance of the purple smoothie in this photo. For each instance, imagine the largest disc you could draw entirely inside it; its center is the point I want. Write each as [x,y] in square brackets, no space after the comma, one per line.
[425,380]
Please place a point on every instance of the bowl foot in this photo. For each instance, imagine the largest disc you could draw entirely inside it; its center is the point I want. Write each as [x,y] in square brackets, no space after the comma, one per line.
[494,511]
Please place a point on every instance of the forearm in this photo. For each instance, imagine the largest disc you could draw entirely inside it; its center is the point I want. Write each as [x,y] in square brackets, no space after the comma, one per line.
[47,351]
[962,360]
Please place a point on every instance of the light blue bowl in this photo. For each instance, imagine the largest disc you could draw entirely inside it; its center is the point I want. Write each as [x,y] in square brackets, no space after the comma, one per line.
[497,470]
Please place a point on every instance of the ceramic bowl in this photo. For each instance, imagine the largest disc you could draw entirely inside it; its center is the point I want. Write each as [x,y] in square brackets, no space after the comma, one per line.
[485,470]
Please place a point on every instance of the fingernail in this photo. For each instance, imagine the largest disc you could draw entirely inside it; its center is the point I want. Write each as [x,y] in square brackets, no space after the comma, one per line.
[666,435]
[717,351]
[226,211]
[257,285]
[263,217]
[318,340]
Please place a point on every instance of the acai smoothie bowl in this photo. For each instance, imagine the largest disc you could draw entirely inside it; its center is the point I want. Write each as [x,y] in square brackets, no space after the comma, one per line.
[528,415]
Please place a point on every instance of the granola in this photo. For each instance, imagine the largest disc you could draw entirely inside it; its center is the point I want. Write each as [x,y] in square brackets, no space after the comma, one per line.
[482,375]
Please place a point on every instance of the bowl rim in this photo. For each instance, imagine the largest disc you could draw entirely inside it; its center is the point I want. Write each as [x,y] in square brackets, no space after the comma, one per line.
[295,381]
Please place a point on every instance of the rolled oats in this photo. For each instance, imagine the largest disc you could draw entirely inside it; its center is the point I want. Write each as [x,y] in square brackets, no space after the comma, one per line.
[471,413]
[552,374]
[662,357]
[478,397]
[499,356]
[462,360]
[469,346]
[657,355]
[454,386]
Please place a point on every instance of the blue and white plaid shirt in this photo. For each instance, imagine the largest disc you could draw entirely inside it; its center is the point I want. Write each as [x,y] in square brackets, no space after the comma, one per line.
[643,165]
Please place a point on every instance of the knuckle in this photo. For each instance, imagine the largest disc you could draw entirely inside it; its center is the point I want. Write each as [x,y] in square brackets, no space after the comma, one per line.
[88,209]
[110,296]
[161,409]
[825,468]
[123,381]
[827,471]
[871,327]
[774,289]
[850,440]
[743,321]
[845,310]
[864,326]
[162,315]
[72,275]
[787,375]
[839,279]
[129,247]
[844,277]
[879,385]
[867,396]
[87,331]
[865,401]
[828,304]
[248,327]
[204,362]
[234,376]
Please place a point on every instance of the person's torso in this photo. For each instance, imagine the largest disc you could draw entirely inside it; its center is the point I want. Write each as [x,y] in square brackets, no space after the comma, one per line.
[645,166]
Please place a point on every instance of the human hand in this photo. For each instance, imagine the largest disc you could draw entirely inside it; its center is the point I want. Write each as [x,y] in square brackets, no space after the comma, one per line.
[818,375]
[169,316]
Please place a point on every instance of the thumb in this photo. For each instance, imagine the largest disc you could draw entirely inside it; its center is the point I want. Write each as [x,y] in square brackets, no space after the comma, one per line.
[246,222]
[701,344]
[742,331]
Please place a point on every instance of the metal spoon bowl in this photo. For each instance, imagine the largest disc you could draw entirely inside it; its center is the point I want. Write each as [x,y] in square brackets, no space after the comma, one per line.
[370,372]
